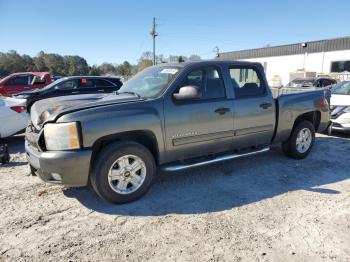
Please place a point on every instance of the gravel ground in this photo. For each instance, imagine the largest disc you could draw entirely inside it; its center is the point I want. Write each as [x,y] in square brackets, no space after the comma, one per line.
[261,208]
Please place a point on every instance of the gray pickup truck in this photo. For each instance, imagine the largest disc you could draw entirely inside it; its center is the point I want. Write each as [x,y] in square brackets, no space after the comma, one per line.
[172,117]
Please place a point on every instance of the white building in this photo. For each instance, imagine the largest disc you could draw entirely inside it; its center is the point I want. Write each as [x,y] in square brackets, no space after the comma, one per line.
[323,57]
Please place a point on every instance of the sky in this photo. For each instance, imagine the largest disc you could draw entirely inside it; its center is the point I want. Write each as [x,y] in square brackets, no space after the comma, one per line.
[115,31]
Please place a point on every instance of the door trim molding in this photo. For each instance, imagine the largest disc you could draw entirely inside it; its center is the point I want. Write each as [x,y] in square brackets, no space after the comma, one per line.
[202,138]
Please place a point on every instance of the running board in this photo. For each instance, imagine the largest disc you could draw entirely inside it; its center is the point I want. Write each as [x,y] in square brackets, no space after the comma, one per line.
[182,166]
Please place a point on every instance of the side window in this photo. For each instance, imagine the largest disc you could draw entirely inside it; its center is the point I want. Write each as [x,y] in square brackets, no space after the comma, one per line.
[19,80]
[246,82]
[328,82]
[68,85]
[86,83]
[102,83]
[208,80]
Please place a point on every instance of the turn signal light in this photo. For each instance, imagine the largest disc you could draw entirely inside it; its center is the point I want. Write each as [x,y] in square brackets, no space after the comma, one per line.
[18,109]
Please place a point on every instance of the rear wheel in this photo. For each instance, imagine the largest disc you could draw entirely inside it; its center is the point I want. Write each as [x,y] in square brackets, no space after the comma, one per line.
[123,172]
[299,145]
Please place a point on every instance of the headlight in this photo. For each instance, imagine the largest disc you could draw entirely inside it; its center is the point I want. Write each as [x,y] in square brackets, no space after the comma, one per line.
[61,136]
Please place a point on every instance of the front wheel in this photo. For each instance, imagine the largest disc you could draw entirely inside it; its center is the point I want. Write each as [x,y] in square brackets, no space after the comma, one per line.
[299,144]
[123,172]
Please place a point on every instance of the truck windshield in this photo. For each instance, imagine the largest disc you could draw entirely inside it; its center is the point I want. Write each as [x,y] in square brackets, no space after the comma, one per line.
[342,88]
[151,81]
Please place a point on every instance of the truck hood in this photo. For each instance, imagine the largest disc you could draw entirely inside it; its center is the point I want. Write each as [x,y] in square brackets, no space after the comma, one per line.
[340,100]
[50,109]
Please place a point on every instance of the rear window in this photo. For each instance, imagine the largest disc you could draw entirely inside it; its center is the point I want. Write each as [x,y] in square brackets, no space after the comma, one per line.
[103,83]
[115,81]
[246,82]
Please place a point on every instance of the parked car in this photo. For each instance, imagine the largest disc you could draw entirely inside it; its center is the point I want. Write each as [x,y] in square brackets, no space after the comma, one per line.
[20,82]
[73,85]
[340,107]
[13,116]
[309,82]
[171,116]
[303,84]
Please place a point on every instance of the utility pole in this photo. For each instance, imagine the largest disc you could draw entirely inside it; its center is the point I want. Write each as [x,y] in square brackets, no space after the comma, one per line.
[154,34]
[216,50]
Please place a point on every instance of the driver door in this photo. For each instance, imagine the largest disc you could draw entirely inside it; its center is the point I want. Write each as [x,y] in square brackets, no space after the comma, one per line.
[203,126]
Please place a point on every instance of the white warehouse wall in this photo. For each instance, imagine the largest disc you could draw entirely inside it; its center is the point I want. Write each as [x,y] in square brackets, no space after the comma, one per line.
[283,65]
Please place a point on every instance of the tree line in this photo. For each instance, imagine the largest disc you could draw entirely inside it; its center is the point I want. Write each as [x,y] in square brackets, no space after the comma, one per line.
[69,65]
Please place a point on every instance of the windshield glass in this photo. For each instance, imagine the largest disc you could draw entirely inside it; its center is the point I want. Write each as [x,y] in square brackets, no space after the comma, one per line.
[151,81]
[342,88]
[301,83]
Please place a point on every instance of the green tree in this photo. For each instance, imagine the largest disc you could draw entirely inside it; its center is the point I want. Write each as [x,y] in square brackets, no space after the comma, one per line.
[107,69]
[124,69]
[145,61]
[75,65]
[94,71]
[194,57]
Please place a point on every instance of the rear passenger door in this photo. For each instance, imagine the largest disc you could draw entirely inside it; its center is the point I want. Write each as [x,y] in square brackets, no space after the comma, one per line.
[86,86]
[254,107]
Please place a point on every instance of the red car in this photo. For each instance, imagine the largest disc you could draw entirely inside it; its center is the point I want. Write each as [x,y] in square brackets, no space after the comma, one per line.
[26,81]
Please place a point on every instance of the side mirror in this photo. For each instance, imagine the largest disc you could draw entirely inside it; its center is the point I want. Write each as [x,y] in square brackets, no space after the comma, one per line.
[187,93]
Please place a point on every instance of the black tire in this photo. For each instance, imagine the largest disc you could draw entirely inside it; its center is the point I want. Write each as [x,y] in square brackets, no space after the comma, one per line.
[290,146]
[32,170]
[329,129]
[105,161]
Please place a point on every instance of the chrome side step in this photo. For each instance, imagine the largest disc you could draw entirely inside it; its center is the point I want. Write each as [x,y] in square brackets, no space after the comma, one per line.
[182,166]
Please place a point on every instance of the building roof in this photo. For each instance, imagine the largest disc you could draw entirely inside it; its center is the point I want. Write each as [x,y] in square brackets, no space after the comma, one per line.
[335,44]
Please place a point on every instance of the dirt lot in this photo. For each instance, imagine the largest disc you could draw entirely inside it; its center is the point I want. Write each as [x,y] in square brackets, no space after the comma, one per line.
[262,208]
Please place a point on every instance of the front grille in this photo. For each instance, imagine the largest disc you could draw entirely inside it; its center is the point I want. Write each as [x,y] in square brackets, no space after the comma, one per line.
[34,137]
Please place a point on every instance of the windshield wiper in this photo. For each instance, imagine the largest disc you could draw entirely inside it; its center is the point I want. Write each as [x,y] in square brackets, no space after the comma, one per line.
[129,92]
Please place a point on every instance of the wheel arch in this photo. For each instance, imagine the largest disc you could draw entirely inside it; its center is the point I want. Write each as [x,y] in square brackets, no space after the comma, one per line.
[144,137]
[313,116]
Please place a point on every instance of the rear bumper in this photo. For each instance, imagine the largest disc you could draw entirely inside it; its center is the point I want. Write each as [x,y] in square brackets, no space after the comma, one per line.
[70,168]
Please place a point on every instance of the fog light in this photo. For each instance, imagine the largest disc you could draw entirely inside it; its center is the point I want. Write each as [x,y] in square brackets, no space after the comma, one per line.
[56,176]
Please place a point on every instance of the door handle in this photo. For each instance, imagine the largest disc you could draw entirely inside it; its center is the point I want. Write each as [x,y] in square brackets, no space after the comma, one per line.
[265,105]
[222,110]
[75,92]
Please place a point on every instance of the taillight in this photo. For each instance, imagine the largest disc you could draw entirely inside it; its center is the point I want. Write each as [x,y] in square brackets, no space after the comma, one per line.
[323,101]
[18,109]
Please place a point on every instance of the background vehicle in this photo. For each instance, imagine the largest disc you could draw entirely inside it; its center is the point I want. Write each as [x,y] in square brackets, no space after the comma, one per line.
[340,106]
[304,84]
[19,82]
[13,116]
[73,85]
[310,82]
[174,116]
